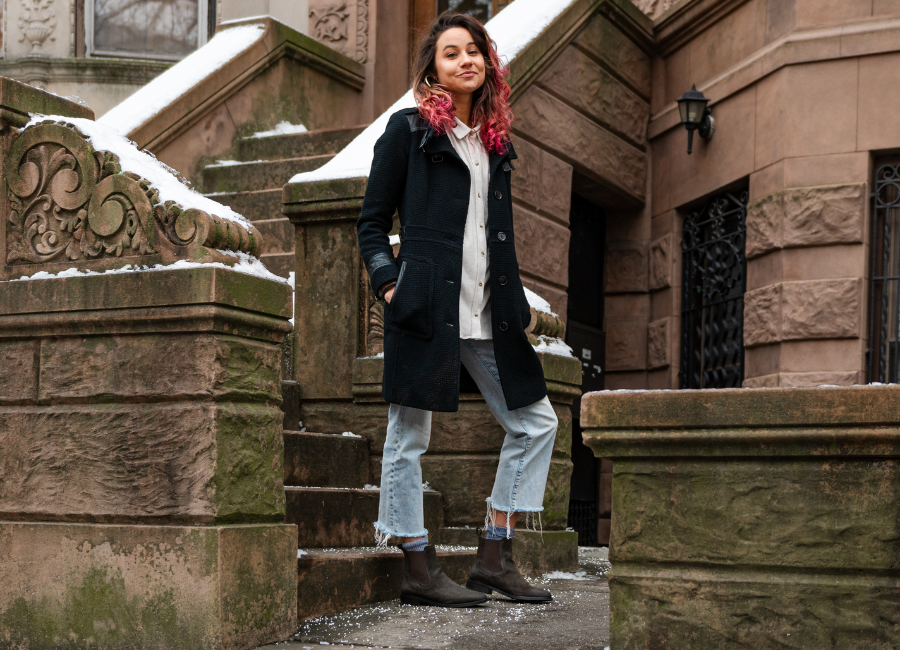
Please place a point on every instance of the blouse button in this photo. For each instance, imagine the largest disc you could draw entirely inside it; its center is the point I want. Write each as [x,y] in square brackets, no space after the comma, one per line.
[479,195]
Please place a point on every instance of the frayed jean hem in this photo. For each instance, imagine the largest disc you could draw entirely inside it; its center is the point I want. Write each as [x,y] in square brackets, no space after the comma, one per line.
[383,534]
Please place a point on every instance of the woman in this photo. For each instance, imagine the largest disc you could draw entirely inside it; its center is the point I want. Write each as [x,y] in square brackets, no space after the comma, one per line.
[454,297]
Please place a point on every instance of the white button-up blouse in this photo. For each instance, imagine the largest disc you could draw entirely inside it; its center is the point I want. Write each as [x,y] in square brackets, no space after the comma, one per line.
[474,292]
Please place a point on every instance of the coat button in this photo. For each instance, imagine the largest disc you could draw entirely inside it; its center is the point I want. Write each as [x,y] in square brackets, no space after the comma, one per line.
[502,280]
[498,194]
[503,326]
[501,236]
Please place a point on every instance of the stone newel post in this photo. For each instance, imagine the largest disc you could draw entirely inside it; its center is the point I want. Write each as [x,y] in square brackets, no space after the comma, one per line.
[141,451]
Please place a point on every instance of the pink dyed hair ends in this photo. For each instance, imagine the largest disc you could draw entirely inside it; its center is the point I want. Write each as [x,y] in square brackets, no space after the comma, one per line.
[490,103]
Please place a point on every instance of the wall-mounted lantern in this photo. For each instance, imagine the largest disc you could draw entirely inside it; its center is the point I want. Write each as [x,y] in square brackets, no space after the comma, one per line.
[695,115]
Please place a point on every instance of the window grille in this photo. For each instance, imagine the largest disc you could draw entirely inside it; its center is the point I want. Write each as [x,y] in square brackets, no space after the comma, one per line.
[714,279]
[883,353]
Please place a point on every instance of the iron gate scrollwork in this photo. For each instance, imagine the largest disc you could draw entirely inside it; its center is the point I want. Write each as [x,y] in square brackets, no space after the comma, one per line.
[883,353]
[714,279]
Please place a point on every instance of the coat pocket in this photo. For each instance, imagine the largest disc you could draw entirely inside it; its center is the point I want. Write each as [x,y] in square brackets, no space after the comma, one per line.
[410,308]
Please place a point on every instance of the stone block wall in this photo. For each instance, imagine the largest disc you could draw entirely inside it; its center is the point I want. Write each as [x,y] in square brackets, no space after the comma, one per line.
[751,518]
[141,493]
[807,165]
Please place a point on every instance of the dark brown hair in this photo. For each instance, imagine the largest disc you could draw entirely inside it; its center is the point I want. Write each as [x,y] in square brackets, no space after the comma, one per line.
[490,103]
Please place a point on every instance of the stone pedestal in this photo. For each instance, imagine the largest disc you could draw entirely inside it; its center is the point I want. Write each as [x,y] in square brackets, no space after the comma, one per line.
[763,518]
[141,493]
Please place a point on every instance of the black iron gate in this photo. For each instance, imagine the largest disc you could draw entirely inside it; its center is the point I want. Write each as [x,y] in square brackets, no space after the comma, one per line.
[714,278]
[883,355]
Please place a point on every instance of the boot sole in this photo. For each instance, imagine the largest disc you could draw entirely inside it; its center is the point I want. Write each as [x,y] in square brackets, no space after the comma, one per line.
[419,600]
[477,586]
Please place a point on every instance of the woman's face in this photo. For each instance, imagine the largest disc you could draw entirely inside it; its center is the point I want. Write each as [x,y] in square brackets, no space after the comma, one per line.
[459,64]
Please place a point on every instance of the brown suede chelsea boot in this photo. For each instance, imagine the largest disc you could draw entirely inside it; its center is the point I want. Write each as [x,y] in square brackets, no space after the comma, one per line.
[425,584]
[495,570]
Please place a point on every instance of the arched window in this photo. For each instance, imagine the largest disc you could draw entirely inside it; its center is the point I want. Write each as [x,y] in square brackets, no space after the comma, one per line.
[883,356]
[713,282]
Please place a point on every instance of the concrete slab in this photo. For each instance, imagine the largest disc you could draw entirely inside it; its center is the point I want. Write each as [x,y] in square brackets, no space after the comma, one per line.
[578,618]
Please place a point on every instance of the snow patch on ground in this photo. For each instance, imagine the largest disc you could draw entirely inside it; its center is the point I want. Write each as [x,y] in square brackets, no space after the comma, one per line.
[178,80]
[300,553]
[350,434]
[232,163]
[568,575]
[282,128]
[380,355]
[553,345]
[537,303]
[513,29]
[246,264]
[160,176]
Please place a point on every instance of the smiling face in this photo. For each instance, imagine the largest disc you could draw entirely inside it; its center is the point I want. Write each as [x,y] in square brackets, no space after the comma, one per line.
[458,62]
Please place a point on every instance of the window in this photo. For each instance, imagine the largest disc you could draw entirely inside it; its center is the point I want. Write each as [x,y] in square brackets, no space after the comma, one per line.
[713,282]
[883,355]
[483,10]
[153,29]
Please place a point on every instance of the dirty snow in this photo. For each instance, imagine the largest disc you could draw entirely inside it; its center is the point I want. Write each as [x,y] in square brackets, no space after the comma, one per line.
[300,553]
[178,80]
[568,575]
[232,163]
[513,29]
[553,345]
[537,303]
[160,176]
[282,128]
[350,434]
[246,264]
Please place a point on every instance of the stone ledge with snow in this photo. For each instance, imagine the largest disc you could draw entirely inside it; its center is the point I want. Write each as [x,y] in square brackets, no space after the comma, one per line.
[81,196]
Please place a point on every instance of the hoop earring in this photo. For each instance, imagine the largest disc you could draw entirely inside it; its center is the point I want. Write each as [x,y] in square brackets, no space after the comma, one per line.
[428,83]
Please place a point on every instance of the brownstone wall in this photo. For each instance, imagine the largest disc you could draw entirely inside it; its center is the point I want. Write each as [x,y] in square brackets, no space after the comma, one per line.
[801,93]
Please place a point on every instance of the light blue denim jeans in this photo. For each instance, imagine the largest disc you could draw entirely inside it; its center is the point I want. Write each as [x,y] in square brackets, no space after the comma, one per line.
[524,457]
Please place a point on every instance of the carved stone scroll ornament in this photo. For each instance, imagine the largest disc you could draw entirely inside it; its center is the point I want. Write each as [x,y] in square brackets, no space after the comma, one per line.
[654,8]
[362,30]
[329,25]
[68,202]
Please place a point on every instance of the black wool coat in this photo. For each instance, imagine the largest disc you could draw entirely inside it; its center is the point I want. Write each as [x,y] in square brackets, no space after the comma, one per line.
[419,175]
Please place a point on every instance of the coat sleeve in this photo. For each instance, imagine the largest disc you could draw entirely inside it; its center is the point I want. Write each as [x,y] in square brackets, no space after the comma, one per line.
[387,181]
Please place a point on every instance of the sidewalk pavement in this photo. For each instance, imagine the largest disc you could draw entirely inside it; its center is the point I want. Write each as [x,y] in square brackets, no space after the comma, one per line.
[577,619]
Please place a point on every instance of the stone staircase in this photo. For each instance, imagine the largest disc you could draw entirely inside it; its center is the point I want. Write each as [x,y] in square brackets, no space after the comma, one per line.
[252,184]
[329,498]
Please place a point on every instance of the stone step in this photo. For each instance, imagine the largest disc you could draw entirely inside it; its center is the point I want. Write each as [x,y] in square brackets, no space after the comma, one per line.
[325,460]
[257,205]
[277,234]
[340,517]
[256,175]
[297,145]
[335,580]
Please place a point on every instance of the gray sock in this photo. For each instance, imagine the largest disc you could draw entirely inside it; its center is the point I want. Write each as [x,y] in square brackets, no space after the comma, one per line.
[418,545]
[498,532]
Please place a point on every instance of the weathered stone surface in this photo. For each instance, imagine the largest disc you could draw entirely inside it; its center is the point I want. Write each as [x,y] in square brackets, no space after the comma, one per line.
[658,343]
[806,216]
[542,246]
[662,263]
[626,345]
[762,315]
[18,379]
[580,142]
[20,101]
[741,512]
[325,460]
[765,222]
[577,79]
[154,587]
[812,379]
[605,41]
[821,309]
[626,267]
[693,607]
[189,462]
[542,181]
[112,368]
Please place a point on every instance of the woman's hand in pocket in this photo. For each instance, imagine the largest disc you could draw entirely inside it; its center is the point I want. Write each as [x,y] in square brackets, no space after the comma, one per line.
[388,295]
